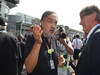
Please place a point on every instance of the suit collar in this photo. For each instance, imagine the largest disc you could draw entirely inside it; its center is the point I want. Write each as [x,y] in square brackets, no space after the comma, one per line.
[93,30]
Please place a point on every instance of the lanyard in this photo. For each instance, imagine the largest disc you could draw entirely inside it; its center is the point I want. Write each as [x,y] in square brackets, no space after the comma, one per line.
[48,45]
[50,51]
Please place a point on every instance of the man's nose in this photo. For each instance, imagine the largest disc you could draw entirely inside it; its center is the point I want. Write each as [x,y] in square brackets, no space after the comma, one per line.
[52,24]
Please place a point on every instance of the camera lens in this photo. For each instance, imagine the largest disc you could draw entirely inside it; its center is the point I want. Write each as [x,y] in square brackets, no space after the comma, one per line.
[62,35]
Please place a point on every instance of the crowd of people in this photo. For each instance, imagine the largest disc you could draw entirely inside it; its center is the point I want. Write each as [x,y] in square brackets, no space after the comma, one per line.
[46,49]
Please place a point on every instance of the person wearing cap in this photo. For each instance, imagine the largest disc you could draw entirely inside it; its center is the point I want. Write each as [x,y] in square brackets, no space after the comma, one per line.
[89,61]
[8,51]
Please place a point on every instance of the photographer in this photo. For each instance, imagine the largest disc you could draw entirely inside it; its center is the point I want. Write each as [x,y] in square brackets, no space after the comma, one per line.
[64,48]
[63,40]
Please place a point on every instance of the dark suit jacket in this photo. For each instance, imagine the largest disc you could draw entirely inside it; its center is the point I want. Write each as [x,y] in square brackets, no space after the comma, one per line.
[8,53]
[89,62]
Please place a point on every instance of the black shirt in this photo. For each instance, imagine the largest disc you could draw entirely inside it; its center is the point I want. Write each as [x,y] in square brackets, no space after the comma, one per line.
[43,64]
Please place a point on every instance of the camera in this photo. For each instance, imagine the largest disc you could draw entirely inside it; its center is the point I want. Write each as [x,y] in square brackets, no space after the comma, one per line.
[60,33]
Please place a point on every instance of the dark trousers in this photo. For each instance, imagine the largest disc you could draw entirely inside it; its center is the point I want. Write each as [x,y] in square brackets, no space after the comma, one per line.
[76,53]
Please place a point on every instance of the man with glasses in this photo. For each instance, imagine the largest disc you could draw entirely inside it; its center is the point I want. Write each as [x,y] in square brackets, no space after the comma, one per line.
[41,55]
[41,58]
